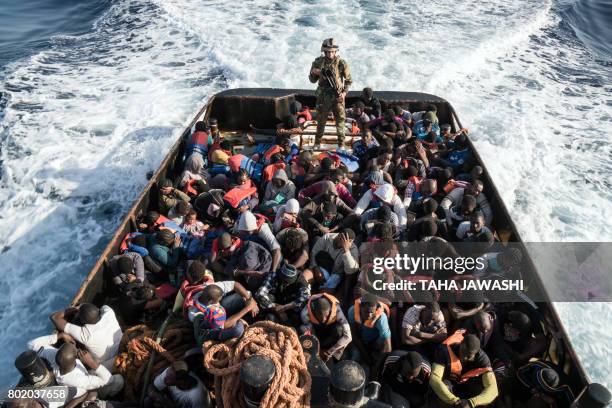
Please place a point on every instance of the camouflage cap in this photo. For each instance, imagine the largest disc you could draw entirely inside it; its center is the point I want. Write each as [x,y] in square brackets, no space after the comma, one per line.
[329,44]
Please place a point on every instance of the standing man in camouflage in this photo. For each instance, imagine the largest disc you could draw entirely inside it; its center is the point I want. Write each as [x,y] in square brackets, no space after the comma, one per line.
[334,78]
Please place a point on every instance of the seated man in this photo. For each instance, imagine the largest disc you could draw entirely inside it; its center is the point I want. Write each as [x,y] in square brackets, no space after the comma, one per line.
[475,189]
[76,368]
[405,379]
[210,321]
[179,211]
[459,156]
[461,375]
[323,318]
[461,212]
[472,230]
[135,301]
[127,268]
[165,249]
[485,326]
[369,322]
[522,333]
[169,196]
[95,328]
[374,216]
[357,115]
[286,216]
[256,229]
[154,221]
[249,265]
[283,295]
[365,145]
[324,220]
[329,188]
[371,103]
[342,255]
[278,190]
[183,387]
[383,195]
[422,326]
[541,384]
[426,125]
[223,248]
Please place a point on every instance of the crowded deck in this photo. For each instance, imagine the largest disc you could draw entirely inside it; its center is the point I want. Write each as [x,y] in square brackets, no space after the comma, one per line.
[244,274]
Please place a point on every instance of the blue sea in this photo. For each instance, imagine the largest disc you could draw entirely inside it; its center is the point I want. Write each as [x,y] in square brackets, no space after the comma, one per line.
[93,93]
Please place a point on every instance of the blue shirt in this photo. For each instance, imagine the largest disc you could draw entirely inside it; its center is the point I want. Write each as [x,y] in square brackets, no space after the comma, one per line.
[380,331]
[458,157]
[419,131]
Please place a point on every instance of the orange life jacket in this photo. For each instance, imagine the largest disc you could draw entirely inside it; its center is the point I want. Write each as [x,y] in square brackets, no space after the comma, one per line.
[236,195]
[334,311]
[332,156]
[267,156]
[380,309]
[270,169]
[189,189]
[456,368]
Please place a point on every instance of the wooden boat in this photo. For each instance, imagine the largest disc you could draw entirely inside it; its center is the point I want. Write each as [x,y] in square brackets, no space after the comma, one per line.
[237,109]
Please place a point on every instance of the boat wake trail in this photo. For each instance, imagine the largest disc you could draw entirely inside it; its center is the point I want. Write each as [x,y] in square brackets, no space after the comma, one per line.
[84,120]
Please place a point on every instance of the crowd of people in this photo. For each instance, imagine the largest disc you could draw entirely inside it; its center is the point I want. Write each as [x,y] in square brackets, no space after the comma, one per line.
[277,232]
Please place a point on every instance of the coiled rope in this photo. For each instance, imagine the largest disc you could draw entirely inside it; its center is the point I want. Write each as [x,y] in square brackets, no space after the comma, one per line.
[136,348]
[290,387]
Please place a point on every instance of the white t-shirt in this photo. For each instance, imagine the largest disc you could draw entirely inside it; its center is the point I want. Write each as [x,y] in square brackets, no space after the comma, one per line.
[101,339]
[193,398]
[79,377]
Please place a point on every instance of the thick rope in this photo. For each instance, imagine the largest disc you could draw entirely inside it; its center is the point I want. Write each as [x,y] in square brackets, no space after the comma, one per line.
[290,387]
[135,351]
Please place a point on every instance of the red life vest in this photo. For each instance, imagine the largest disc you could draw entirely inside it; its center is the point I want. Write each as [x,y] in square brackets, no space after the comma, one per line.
[216,248]
[267,156]
[456,368]
[380,309]
[304,114]
[269,171]
[334,309]
[189,189]
[236,195]
[189,291]
[124,244]
[199,137]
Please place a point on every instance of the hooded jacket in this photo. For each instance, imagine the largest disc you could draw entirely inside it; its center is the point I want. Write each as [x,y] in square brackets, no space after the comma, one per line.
[193,168]
[386,194]
[286,191]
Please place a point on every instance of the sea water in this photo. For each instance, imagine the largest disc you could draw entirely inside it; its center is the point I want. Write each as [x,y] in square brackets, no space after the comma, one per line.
[93,93]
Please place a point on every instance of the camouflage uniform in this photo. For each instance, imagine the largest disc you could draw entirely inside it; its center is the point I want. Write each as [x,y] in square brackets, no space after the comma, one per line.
[327,97]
